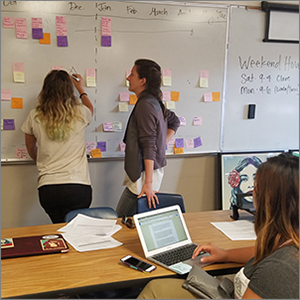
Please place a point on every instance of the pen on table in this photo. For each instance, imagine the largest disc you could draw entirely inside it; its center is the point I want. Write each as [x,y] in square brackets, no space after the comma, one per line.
[76,78]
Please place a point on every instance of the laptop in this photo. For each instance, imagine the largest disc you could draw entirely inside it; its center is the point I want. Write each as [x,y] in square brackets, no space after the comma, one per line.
[163,232]
[33,245]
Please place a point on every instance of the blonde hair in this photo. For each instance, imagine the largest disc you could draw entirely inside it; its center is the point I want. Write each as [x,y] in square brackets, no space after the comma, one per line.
[58,107]
[276,196]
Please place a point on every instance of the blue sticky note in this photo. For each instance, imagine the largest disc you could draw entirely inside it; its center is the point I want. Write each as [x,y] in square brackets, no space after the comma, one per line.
[101,146]
[62,41]
[106,41]
[197,142]
[37,33]
[179,143]
[8,124]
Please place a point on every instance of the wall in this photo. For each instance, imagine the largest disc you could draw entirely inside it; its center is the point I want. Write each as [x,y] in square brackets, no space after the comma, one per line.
[194,177]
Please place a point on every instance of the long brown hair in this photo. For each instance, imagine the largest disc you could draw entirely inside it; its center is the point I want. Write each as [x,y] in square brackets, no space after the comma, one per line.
[276,197]
[58,106]
[151,71]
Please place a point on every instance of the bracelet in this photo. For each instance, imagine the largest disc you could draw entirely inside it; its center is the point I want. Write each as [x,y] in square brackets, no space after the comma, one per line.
[83,95]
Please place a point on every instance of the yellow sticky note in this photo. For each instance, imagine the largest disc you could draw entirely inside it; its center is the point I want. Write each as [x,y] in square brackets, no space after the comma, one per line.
[46,40]
[1,124]
[175,96]
[216,96]
[96,153]
[90,81]
[19,77]
[16,102]
[132,99]
[123,106]
[178,150]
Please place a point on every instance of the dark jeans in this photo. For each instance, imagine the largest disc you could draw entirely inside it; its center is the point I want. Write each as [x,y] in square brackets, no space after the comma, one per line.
[58,199]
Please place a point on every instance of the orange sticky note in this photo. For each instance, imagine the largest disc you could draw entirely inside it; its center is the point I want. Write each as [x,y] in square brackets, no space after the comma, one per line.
[175,96]
[215,96]
[46,40]
[16,102]
[132,99]
[96,153]
[178,150]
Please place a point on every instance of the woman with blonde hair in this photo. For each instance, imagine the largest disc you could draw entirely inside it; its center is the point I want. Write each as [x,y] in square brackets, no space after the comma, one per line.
[272,266]
[55,139]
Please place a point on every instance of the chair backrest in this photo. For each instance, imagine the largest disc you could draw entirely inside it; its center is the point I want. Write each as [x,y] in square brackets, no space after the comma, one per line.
[96,212]
[165,199]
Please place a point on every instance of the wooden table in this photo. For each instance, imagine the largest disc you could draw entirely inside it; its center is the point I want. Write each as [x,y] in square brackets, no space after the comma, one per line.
[55,275]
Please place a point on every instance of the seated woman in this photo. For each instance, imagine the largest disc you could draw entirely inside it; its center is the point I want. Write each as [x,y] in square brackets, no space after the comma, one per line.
[272,266]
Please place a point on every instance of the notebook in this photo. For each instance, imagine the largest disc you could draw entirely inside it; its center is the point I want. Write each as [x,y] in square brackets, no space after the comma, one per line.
[162,232]
[33,245]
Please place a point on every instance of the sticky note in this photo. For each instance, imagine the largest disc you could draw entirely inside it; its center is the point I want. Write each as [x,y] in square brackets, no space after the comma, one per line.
[1,124]
[101,146]
[197,121]
[197,142]
[16,102]
[8,124]
[21,153]
[5,95]
[123,106]
[18,72]
[170,105]
[37,28]
[108,126]
[96,153]
[167,77]
[122,146]
[207,97]
[189,143]
[179,143]
[127,73]
[62,41]
[182,121]
[117,126]
[46,40]
[171,142]
[178,150]
[90,146]
[124,96]
[166,96]
[21,28]
[61,31]
[90,77]
[56,67]
[8,22]
[216,96]
[132,99]
[203,81]
[106,32]
[175,96]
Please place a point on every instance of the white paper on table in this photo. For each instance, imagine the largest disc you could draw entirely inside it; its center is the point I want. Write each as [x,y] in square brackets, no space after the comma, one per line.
[91,242]
[239,230]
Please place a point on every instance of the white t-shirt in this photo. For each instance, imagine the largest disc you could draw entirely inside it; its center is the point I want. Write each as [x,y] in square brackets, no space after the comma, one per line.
[136,187]
[240,284]
[61,162]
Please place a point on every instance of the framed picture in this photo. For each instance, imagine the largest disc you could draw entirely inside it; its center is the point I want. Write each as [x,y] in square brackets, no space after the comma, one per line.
[237,175]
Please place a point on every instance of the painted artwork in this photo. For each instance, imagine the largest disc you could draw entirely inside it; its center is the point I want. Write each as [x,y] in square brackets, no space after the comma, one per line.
[237,176]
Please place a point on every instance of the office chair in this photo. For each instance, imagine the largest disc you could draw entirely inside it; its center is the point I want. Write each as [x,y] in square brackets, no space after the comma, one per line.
[165,199]
[96,212]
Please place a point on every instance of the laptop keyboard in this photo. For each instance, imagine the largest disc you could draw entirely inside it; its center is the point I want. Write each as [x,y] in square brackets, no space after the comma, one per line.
[174,256]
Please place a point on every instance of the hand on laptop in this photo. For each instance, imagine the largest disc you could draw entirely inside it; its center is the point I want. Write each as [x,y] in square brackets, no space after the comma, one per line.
[216,254]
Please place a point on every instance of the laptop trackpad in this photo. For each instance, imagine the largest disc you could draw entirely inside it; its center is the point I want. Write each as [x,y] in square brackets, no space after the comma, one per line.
[196,261]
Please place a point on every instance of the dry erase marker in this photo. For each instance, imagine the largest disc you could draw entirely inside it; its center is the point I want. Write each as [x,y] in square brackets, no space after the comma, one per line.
[76,78]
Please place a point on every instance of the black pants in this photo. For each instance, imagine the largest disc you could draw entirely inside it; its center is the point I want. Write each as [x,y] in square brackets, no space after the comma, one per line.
[58,199]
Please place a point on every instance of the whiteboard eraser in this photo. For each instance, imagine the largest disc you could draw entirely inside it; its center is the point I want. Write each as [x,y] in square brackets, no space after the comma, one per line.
[251,111]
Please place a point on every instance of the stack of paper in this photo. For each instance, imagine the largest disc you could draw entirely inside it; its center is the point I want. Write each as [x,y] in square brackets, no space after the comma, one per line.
[86,233]
[238,230]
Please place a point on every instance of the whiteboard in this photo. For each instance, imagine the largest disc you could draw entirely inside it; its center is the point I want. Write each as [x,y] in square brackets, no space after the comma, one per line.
[186,38]
[264,74]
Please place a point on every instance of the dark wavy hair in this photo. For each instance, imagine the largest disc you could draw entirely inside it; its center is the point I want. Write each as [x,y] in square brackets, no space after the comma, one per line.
[151,71]
[276,197]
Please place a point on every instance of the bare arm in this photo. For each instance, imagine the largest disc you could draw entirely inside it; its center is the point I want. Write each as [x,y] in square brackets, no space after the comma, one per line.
[30,141]
[170,134]
[84,99]
[147,187]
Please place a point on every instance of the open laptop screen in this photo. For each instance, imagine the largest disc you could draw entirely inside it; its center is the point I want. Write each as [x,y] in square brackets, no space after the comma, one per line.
[162,229]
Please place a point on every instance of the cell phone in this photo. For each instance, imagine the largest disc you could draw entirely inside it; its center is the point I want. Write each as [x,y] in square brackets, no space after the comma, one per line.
[137,264]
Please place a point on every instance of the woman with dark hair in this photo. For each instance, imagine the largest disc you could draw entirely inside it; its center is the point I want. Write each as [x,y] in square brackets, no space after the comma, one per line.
[55,139]
[271,266]
[150,126]
[241,179]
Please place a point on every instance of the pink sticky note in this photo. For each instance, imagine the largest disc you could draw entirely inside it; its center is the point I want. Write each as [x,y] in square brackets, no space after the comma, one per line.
[8,22]
[18,67]
[166,96]
[61,26]
[21,153]
[90,72]
[204,74]
[106,26]
[21,28]
[182,121]
[197,121]
[207,97]
[189,143]
[90,146]
[124,96]
[108,126]
[5,95]
[122,146]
